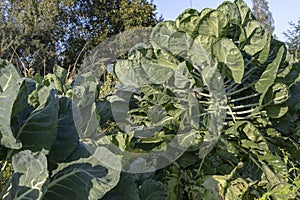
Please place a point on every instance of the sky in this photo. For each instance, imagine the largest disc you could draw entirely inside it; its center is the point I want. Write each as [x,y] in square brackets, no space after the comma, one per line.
[283,11]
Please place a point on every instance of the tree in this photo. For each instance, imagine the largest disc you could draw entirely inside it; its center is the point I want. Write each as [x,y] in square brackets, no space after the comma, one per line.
[40,33]
[88,23]
[30,33]
[263,15]
[293,38]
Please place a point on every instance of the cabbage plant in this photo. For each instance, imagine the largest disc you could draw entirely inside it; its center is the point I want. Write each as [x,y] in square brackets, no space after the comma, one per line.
[208,109]
[227,92]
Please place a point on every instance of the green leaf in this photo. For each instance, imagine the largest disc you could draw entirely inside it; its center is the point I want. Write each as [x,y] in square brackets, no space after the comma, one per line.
[187,140]
[276,163]
[126,189]
[264,54]
[8,97]
[40,129]
[52,78]
[276,111]
[89,177]
[30,175]
[213,24]
[199,53]
[179,44]
[278,93]
[204,12]
[231,11]
[227,52]
[60,73]
[161,33]
[156,72]
[236,189]
[67,136]
[183,78]
[187,21]
[153,190]
[256,139]
[274,100]
[8,75]
[195,51]
[104,111]
[21,104]
[254,38]
[9,89]
[206,42]
[269,175]
[269,75]
[84,106]
[244,10]
[125,72]
[211,188]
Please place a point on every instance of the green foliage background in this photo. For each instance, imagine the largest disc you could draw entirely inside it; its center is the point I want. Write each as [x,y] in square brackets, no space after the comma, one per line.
[40,33]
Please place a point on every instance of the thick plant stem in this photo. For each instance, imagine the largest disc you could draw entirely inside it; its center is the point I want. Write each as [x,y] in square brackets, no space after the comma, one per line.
[244,106]
[244,98]
[230,93]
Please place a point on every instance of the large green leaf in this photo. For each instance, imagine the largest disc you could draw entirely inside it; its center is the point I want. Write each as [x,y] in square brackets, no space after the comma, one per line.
[39,131]
[126,189]
[21,104]
[231,11]
[84,106]
[264,54]
[9,90]
[125,72]
[205,41]
[88,177]
[244,10]
[276,111]
[161,33]
[254,37]
[274,100]
[187,21]
[195,51]
[8,75]
[269,75]
[30,175]
[213,24]
[179,44]
[67,136]
[227,53]
[183,78]
[199,53]
[8,98]
[157,73]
